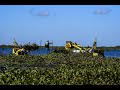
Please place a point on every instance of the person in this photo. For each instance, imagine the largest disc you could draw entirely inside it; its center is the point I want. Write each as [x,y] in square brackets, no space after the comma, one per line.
[47,44]
[95,44]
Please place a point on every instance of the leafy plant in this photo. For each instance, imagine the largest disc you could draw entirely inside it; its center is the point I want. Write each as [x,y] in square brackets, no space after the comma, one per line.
[59,69]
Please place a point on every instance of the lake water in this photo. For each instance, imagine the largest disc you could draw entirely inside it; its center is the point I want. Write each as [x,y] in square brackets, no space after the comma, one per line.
[41,51]
[112,53]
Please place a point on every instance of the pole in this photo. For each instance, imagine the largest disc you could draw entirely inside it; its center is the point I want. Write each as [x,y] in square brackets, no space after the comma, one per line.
[52,45]
[40,42]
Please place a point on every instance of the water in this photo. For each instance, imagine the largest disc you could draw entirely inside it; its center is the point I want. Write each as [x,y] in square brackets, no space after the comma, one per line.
[42,51]
[39,51]
[5,51]
[112,53]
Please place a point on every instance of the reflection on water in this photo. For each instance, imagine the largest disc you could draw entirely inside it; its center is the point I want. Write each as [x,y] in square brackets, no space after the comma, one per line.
[41,51]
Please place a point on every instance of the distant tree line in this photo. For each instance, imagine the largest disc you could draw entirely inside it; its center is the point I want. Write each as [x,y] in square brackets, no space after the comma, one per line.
[33,46]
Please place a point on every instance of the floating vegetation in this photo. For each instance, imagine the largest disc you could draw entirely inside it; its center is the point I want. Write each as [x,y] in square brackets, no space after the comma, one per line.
[59,69]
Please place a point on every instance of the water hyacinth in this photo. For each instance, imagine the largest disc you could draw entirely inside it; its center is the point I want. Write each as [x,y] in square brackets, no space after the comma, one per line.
[59,68]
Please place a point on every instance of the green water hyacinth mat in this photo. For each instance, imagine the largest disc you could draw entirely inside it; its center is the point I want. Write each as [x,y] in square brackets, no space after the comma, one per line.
[59,69]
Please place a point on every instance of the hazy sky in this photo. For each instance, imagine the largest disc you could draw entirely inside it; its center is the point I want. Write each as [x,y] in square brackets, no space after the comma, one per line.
[60,23]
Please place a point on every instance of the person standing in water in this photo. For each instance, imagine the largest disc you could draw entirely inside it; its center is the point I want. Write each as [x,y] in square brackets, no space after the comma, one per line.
[47,46]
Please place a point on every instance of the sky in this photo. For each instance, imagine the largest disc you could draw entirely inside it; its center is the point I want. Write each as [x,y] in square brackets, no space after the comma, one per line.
[60,23]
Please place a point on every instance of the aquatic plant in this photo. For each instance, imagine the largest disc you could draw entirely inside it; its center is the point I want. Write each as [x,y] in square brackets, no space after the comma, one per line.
[59,69]
[34,46]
